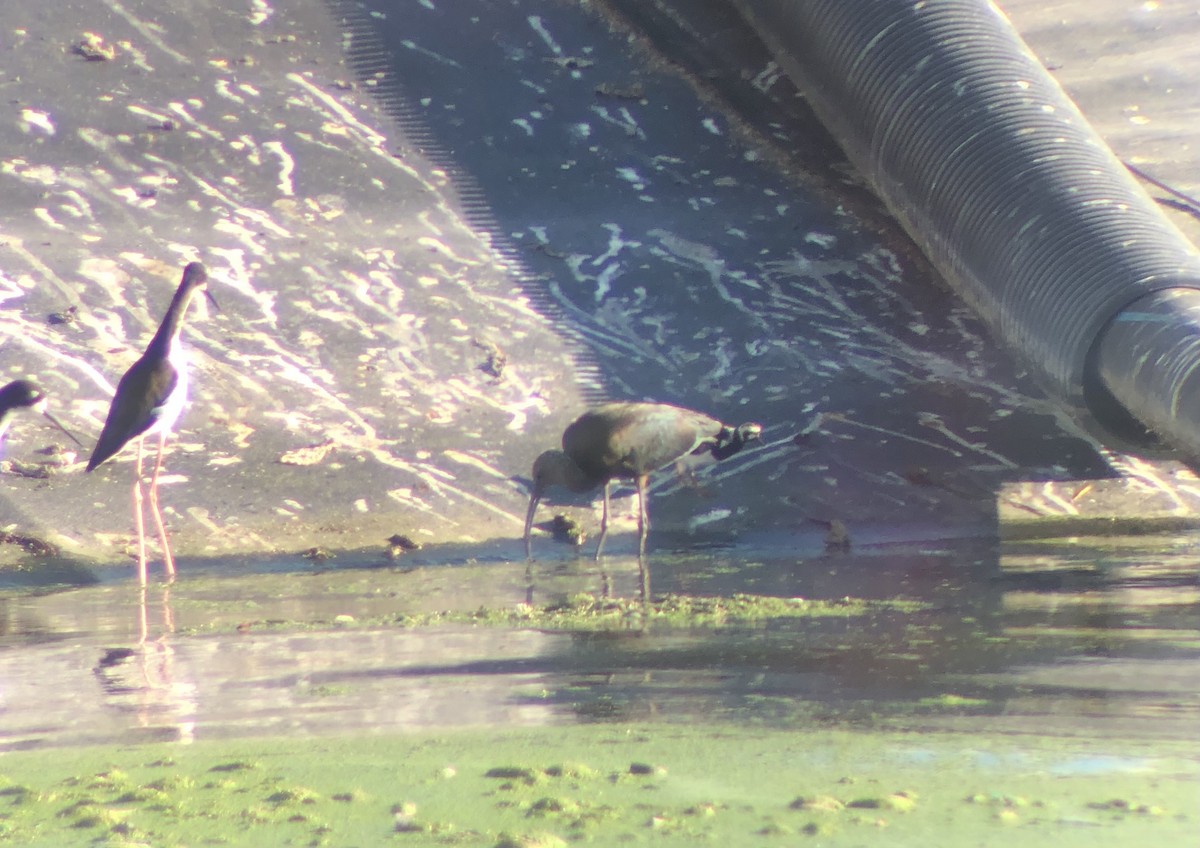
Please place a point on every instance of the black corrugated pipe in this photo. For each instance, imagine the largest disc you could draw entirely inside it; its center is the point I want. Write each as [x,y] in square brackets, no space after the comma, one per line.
[1018,202]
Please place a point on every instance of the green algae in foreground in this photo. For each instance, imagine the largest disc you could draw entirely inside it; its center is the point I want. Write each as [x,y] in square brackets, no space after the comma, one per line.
[669,786]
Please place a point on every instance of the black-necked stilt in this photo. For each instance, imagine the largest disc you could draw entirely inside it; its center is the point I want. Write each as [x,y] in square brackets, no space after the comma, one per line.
[149,400]
[22,394]
[629,441]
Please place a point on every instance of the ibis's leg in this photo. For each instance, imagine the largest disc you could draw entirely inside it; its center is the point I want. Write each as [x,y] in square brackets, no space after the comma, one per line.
[168,560]
[643,518]
[603,522]
[643,530]
[138,522]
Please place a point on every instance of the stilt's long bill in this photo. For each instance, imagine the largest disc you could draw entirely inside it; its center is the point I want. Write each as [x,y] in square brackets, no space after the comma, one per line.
[23,394]
[629,441]
[149,400]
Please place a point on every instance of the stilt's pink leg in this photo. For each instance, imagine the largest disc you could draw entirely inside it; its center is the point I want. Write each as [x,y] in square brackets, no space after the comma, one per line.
[143,619]
[137,515]
[168,560]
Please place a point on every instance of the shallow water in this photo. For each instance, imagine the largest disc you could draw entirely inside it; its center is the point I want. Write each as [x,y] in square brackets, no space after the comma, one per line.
[1085,638]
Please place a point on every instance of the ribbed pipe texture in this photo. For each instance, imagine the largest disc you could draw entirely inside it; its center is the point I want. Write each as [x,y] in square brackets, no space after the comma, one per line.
[997,176]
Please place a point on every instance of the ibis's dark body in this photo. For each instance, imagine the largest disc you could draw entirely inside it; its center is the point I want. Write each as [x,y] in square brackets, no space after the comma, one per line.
[629,441]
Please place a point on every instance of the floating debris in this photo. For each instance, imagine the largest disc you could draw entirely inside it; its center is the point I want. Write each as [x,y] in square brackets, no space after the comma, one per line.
[310,455]
[642,769]
[29,544]
[636,91]
[33,471]
[496,360]
[93,48]
[404,814]
[399,545]
[822,803]
[838,537]
[67,316]
[567,530]
[571,63]
[901,802]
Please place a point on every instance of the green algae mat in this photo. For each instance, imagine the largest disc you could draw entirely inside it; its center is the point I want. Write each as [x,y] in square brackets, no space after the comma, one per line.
[608,785]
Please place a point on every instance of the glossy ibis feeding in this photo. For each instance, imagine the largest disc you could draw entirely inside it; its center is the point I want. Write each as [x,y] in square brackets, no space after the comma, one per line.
[148,401]
[22,394]
[629,441]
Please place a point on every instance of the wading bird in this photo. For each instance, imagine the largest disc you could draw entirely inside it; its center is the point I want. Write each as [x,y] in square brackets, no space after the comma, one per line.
[629,441]
[149,400]
[22,394]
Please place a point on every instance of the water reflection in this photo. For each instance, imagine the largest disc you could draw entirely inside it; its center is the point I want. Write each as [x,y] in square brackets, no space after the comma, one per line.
[1070,639]
[142,682]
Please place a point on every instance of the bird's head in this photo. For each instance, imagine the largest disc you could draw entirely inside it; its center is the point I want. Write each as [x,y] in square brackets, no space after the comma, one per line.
[24,394]
[549,469]
[552,468]
[748,432]
[733,439]
[195,278]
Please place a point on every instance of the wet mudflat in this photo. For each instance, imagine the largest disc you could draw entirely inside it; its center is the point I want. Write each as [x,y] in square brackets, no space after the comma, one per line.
[944,693]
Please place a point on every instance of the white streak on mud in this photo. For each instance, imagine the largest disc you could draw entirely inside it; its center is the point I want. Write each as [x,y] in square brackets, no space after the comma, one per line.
[238,278]
[43,215]
[535,23]
[181,109]
[222,88]
[287,165]
[623,119]
[437,57]
[261,12]
[711,263]
[32,119]
[862,425]
[148,31]
[62,358]
[475,462]
[935,422]
[366,133]
[616,244]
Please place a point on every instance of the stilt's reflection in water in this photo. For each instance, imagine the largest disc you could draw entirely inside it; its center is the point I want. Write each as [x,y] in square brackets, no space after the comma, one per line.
[143,680]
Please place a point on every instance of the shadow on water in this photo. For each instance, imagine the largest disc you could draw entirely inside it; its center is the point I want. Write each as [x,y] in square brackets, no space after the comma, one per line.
[1068,638]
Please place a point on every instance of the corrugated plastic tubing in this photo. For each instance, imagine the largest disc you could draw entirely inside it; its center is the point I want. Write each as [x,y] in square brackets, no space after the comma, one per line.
[1022,207]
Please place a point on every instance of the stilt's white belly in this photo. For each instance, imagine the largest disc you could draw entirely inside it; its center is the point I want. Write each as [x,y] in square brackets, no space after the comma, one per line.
[173,407]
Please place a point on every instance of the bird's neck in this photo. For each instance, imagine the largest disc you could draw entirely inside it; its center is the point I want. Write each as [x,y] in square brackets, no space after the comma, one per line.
[172,323]
[569,475]
[578,480]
